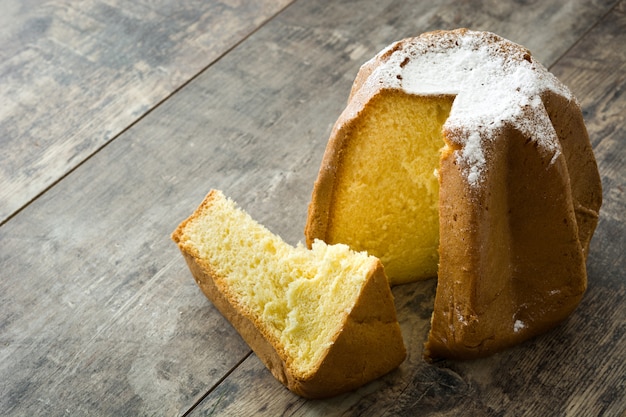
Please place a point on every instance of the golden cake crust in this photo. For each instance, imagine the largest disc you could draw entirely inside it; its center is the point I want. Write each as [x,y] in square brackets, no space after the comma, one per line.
[519,195]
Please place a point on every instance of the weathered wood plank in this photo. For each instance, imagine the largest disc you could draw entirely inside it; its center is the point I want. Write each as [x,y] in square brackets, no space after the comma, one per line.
[92,321]
[117,325]
[73,75]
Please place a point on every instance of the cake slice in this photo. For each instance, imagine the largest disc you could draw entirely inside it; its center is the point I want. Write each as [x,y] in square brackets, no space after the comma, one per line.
[321,320]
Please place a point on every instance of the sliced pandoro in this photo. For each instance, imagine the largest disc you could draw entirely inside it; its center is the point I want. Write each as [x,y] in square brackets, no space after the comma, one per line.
[321,320]
[460,156]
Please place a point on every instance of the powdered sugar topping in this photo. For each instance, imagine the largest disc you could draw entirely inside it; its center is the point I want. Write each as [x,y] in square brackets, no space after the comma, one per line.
[473,153]
[494,81]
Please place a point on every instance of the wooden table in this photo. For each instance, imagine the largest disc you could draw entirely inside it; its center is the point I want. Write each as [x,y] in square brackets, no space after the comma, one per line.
[117,117]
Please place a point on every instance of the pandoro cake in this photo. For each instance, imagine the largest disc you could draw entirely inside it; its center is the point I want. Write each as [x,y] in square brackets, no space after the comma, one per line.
[459,156]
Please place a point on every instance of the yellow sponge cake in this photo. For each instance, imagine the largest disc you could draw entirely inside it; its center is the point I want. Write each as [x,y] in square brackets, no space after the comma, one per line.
[322,320]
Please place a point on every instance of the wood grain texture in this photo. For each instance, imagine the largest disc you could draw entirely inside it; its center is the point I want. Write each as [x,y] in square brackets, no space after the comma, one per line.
[105,332]
[73,75]
[101,316]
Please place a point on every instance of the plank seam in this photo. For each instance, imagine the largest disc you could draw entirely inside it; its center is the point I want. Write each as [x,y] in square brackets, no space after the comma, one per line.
[214,386]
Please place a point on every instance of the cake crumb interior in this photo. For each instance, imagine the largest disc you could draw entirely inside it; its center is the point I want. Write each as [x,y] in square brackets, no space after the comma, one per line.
[300,296]
[386,197]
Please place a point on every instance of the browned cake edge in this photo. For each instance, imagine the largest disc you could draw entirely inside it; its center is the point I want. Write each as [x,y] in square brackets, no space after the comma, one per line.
[511,265]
